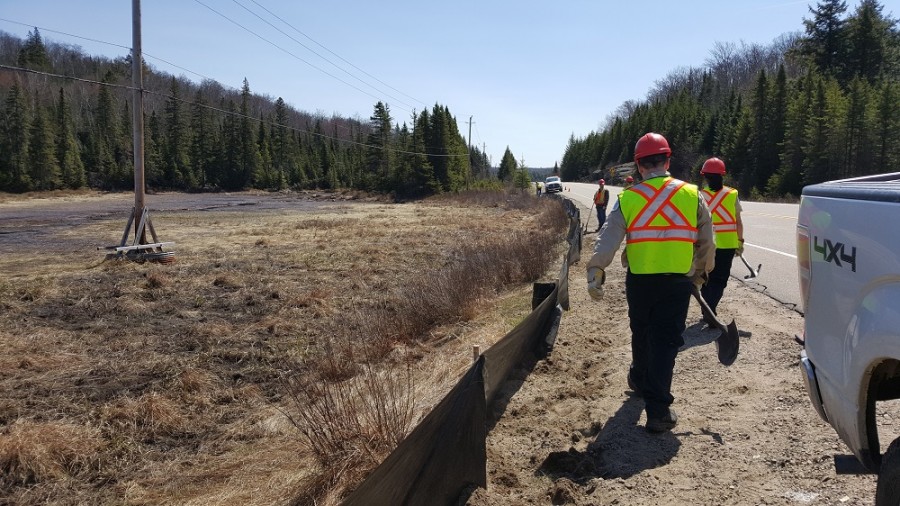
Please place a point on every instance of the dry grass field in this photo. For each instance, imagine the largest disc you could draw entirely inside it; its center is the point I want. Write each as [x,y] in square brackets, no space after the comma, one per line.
[274,363]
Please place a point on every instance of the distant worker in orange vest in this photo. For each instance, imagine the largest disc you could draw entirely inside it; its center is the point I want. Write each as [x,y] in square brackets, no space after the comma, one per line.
[601,199]
[725,208]
[668,246]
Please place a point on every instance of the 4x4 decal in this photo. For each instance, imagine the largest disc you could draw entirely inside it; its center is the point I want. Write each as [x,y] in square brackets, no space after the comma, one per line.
[835,252]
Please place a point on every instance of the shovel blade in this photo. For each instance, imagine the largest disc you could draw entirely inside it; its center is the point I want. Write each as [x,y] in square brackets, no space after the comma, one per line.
[728,344]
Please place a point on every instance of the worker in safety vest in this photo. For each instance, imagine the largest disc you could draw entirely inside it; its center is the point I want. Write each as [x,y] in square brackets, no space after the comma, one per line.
[601,199]
[629,182]
[668,246]
[540,188]
[725,208]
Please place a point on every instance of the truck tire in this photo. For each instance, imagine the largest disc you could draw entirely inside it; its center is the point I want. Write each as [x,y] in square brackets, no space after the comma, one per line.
[887,492]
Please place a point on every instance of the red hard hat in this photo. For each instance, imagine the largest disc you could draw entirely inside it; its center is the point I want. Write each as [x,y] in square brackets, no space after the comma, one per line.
[713,166]
[651,144]
[601,182]
[629,179]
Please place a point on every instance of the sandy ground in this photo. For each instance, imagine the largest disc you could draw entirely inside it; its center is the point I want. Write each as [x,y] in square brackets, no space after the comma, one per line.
[747,434]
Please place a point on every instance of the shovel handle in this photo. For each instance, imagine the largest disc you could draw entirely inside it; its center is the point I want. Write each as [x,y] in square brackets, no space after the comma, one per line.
[753,273]
[704,307]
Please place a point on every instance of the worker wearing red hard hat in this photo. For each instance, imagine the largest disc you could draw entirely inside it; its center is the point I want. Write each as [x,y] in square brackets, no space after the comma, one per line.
[629,182]
[668,246]
[725,208]
[601,199]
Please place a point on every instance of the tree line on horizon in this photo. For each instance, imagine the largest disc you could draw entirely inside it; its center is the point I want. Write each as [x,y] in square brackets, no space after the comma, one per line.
[814,106]
[61,133]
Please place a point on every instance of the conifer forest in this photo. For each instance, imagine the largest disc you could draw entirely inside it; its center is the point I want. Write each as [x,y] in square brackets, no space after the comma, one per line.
[816,105]
[67,123]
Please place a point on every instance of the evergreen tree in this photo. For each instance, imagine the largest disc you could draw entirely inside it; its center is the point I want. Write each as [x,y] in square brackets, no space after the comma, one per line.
[872,41]
[522,177]
[14,174]
[248,154]
[282,145]
[68,154]
[33,54]
[178,170]
[508,166]
[859,156]
[790,175]
[777,128]
[232,176]
[42,163]
[826,35]
[154,160]
[760,150]
[422,181]
[438,142]
[738,153]
[124,150]
[817,165]
[104,138]
[265,178]
[202,145]
[887,130]
[379,152]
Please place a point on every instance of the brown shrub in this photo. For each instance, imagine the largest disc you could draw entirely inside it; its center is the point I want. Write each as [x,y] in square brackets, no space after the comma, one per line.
[352,425]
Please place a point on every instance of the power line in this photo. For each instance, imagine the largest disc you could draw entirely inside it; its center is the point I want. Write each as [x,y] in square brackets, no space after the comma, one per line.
[64,33]
[335,54]
[50,30]
[292,54]
[317,54]
[223,111]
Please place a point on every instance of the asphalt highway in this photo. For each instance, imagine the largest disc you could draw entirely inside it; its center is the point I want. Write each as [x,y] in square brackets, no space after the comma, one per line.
[769,235]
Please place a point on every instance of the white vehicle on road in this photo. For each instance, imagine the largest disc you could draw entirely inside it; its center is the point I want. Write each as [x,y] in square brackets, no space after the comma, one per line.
[848,251]
[553,184]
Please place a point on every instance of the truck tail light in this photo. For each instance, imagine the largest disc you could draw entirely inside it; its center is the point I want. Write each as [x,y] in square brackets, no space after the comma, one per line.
[804,265]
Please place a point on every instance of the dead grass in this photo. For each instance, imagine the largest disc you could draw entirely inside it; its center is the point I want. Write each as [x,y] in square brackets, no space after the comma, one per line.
[171,376]
[33,452]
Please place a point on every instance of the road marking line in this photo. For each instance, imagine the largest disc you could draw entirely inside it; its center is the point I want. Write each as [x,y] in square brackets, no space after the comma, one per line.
[771,250]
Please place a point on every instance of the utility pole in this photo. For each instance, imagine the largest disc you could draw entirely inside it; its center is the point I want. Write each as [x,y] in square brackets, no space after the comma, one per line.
[137,82]
[139,250]
[469,173]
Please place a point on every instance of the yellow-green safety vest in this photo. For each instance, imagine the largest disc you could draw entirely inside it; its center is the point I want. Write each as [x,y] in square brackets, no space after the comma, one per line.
[723,208]
[661,225]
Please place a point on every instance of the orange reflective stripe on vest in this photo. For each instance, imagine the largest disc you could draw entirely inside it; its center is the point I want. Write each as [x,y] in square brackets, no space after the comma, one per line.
[659,204]
[723,208]
[661,225]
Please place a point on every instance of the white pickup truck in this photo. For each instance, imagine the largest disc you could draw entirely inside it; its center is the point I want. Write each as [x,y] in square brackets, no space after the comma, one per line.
[848,250]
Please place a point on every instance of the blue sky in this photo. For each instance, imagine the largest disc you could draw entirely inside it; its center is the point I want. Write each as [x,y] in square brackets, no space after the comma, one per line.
[529,73]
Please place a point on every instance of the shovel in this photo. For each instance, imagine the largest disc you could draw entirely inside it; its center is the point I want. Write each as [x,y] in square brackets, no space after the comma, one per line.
[584,230]
[728,342]
[753,273]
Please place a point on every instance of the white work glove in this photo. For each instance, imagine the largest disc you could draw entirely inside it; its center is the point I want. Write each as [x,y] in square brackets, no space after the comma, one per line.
[596,277]
[740,249]
[699,279]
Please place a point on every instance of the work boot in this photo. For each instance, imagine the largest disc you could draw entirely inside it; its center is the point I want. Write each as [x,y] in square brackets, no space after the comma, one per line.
[662,424]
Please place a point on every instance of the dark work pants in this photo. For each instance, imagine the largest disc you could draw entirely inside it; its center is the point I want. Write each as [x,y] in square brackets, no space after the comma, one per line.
[657,308]
[601,216]
[718,279]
